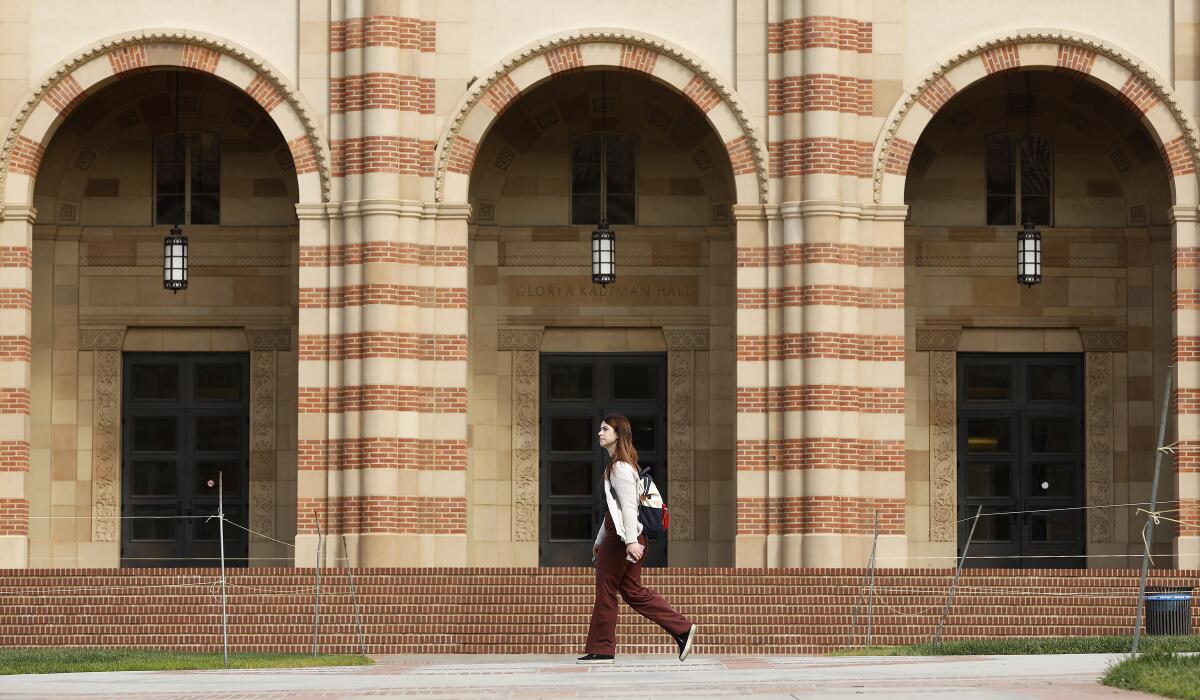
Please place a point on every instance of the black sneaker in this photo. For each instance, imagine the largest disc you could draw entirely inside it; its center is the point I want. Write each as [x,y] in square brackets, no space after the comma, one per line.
[685,642]
[594,659]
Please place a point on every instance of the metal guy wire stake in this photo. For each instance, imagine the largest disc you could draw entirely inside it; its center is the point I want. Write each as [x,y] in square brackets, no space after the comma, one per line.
[1148,528]
[871,585]
[317,601]
[221,535]
[362,642]
[937,637]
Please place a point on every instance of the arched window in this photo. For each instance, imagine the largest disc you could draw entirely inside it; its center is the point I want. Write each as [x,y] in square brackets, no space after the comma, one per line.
[1020,179]
[603,169]
[187,178]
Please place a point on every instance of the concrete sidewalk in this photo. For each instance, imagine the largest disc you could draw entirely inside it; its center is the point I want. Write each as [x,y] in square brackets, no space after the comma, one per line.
[632,677]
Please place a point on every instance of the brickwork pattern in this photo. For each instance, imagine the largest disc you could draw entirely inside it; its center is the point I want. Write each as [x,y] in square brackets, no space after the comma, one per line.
[425,515]
[703,95]
[1177,157]
[382,453]
[130,58]
[405,93]
[898,156]
[502,92]
[1138,94]
[462,155]
[383,252]
[264,93]
[200,58]
[638,58]
[936,94]
[392,345]
[835,515]
[382,154]
[381,397]
[545,611]
[395,294]
[796,34]
[563,59]
[820,155]
[810,345]
[850,454]
[65,95]
[821,295]
[14,456]
[819,92]
[806,253]
[26,156]
[819,397]
[1002,58]
[382,30]
[14,516]
[1076,58]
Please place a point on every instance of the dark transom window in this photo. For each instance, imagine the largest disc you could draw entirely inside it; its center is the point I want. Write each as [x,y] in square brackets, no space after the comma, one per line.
[1020,178]
[603,169]
[187,178]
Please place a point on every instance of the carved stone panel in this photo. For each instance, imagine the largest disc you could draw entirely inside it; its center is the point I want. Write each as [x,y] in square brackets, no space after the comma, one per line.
[686,338]
[943,449]
[106,478]
[519,339]
[1099,434]
[681,382]
[262,444]
[1104,340]
[525,442]
[937,339]
[267,339]
[101,338]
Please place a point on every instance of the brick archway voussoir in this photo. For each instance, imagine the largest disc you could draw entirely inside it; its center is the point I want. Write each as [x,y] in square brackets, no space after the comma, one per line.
[599,49]
[89,72]
[1124,76]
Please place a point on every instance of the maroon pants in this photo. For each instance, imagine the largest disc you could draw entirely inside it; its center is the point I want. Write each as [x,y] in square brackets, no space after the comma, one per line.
[614,573]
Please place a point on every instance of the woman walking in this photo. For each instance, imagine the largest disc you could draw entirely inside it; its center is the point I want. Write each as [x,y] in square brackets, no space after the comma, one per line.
[618,553]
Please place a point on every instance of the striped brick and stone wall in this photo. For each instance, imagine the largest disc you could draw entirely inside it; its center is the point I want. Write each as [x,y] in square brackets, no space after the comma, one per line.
[382,361]
[820,301]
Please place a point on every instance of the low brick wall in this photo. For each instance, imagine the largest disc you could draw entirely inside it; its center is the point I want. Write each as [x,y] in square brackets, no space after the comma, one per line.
[529,610]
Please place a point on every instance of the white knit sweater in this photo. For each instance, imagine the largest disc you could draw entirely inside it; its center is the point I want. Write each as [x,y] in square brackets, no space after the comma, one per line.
[624,510]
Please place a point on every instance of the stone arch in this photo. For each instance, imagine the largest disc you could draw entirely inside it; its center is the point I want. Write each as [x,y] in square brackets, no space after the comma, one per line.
[1142,89]
[65,87]
[608,48]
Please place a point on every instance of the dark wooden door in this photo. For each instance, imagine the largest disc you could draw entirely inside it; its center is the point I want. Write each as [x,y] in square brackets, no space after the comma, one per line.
[185,419]
[1021,457]
[576,392]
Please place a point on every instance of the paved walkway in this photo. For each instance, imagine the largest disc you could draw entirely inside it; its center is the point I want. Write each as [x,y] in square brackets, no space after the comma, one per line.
[1048,677]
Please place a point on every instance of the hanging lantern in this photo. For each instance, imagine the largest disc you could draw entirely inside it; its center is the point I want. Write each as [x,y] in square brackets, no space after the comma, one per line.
[175,260]
[1029,255]
[604,254]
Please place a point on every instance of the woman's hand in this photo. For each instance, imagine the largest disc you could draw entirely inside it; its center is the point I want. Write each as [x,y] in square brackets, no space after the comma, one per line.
[635,550]
[595,551]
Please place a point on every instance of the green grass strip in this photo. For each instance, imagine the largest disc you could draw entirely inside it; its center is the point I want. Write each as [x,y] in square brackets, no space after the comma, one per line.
[1169,675]
[79,660]
[1041,645]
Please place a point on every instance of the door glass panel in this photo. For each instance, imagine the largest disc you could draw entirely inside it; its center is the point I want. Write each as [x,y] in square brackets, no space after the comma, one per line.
[988,435]
[634,382]
[152,477]
[218,433]
[1052,527]
[1053,480]
[643,433]
[989,479]
[988,382]
[570,478]
[1051,434]
[571,434]
[570,523]
[570,382]
[1052,383]
[211,471]
[154,433]
[210,530]
[155,382]
[153,523]
[218,382]
[993,528]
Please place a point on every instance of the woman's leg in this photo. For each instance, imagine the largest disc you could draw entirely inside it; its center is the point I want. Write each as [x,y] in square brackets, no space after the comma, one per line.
[649,603]
[610,567]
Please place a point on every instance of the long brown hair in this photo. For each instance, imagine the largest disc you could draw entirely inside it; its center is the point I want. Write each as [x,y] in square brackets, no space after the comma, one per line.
[624,451]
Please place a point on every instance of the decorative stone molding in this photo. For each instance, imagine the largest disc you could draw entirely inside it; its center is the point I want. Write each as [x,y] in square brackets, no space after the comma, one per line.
[520,339]
[1106,340]
[267,339]
[525,444]
[101,338]
[263,377]
[65,69]
[681,421]
[1099,436]
[1161,91]
[106,478]
[686,338]
[943,449]
[480,87]
[937,339]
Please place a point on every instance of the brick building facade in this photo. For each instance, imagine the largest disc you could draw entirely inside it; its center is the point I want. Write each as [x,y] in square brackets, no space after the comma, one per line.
[390,336]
